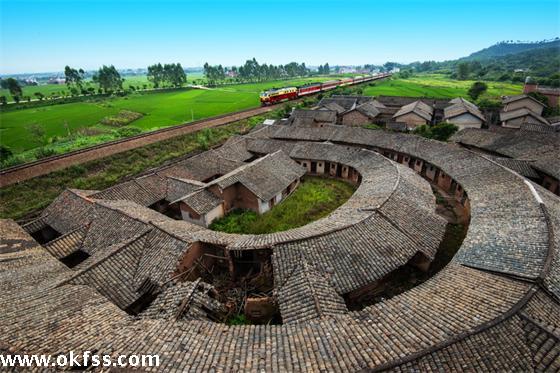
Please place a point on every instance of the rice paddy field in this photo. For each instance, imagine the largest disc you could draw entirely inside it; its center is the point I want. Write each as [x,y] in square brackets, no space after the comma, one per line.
[71,126]
[61,89]
[158,109]
[438,86]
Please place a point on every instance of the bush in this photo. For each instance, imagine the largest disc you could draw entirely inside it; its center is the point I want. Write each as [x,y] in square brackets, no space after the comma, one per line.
[204,138]
[477,89]
[441,132]
[238,320]
[5,153]
[44,152]
[12,161]
[489,104]
[127,132]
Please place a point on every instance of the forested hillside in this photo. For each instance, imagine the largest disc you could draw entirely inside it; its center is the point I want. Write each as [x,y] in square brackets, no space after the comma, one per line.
[504,48]
[504,61]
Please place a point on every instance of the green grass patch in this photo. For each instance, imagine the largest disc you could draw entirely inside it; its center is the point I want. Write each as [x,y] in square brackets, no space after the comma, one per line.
[22,199]
[160,109]
[315,198]
[437,86]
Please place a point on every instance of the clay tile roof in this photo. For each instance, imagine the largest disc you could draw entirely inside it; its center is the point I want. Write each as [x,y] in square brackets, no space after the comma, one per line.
[521,112]
[332,106]
[461,106]
[369,109]
[201,201]
[265,177]
[301,117]
[417,107]
[510,99]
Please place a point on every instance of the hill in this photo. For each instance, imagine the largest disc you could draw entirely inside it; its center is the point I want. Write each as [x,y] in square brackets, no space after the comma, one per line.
[505,61]
[505,48]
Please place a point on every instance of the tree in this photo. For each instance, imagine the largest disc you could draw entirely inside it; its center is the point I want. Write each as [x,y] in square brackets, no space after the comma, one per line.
[442,131]
[388,66]
[477,89]
[5,153]
[13,86]
[155,74]
[73,77]
[3,100]
[108,79]
[39,95]
[463,71]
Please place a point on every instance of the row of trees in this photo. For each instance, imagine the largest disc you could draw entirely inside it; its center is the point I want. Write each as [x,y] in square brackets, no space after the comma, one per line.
[252,71]
[108,78]
[171,74]
[324,69]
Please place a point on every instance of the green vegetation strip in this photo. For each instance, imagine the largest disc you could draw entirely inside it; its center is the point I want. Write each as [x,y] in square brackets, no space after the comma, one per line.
[438,86]
[314,199]
[19,200]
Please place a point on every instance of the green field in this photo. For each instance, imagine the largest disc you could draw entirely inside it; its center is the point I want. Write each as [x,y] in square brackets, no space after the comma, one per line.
[160,109]
[76,125]
[437,86]
[61,89]
[314,199]
[20,199]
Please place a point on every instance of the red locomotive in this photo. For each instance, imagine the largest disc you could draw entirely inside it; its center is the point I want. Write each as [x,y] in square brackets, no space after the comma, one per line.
[275,95]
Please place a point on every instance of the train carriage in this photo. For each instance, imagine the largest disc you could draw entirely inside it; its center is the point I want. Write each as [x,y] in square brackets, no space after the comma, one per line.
[309,89]
[276,95]
[331,84]
[346,81]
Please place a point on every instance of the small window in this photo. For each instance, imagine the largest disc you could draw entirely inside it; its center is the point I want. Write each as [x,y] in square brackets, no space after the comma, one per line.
[75,258]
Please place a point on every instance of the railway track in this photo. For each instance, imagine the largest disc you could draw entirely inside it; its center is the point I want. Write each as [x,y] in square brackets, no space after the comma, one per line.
[26,171]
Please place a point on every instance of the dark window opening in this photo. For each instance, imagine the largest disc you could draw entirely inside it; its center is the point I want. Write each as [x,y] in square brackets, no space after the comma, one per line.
[45,235]
[140,304]
[213,177]
[75,258]
[314,167]
[171,211]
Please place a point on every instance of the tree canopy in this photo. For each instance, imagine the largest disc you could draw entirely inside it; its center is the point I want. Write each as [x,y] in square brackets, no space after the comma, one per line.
[13,86]
[477,89]
[108,78]
[74,77]
[253,71]
[172,74]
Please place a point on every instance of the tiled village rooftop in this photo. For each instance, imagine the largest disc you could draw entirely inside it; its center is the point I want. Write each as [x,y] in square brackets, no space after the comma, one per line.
[495,306]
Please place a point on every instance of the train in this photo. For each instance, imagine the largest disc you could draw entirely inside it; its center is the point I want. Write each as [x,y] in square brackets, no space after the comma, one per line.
[276,95]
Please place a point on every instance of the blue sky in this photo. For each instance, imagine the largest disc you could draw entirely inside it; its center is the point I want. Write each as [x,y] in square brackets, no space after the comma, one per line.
[41,35]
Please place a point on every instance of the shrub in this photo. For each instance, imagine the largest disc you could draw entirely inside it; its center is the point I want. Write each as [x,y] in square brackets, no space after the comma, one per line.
[5,153]
[477,89]
[44,152]
[441,132]
[12,161]
[127,131]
